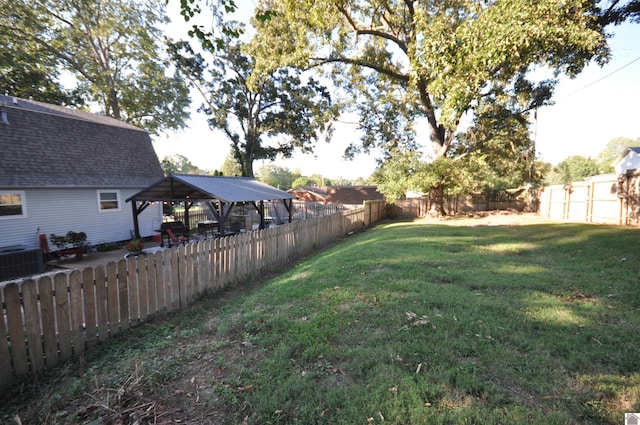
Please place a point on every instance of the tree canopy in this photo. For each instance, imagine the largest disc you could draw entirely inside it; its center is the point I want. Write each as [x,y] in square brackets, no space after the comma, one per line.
[109,52]
[438,63]
[572,169]
[613,150]
[263,116]
[179,164]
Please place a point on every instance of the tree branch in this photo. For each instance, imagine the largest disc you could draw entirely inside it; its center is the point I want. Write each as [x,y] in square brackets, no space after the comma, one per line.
[348,61]
[373,32]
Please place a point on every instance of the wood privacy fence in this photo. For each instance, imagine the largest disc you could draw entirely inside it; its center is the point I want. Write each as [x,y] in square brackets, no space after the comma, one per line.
[47,320]
[606,199]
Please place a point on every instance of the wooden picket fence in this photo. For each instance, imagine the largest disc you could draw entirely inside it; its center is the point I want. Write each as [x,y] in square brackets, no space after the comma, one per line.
[47,320]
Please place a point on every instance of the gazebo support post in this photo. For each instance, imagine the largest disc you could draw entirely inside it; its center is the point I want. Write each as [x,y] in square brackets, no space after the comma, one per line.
[187,206]
[136,225]
[261,212]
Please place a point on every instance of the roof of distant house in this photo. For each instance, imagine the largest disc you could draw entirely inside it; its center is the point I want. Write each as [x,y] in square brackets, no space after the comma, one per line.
[344,195]
[43,145]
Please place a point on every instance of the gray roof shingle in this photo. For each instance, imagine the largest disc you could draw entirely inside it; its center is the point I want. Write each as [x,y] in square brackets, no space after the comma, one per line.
[52,146]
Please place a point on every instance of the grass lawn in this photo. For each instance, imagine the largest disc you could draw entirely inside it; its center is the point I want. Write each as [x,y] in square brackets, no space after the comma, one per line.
[407,323]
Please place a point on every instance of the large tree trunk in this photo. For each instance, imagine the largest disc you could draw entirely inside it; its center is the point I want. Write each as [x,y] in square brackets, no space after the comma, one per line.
[436,201]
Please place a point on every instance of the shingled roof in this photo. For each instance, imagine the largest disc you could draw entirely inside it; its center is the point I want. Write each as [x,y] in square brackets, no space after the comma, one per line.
[44,145]
[341,195]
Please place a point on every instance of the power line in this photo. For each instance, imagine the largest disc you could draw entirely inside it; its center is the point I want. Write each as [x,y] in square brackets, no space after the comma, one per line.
[602,78]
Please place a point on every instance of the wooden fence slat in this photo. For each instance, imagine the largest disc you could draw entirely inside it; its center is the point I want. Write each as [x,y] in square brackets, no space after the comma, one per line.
[48,314]
[143,290]
[175,279]
[6,371]
[134,291]
[123,295]
[182,277]
[89,304]
[161,281]
[188,274]
[102,309]
[16,329]
[113,304]
[34,333]
[152,284]
[63,320]
[77,316]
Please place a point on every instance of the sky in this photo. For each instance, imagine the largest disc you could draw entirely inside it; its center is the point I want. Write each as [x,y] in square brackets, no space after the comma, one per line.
[602,103]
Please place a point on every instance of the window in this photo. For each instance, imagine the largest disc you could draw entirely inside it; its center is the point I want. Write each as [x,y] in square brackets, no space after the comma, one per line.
[109,200]
[12,205]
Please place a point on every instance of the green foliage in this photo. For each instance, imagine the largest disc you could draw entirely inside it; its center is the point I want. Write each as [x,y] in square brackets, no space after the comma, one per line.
[435,63]
[107,246]
[613,150]
[110,48]
[574,168]
[73,239]
[231,167]
[277,176]
[179,164]
[217,36]
[264,116]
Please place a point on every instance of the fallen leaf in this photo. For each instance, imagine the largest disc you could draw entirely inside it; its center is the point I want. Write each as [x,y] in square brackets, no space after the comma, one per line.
[393,390]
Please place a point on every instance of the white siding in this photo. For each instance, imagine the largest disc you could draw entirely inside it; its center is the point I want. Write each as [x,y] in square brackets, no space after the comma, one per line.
[629,162]
[60,210]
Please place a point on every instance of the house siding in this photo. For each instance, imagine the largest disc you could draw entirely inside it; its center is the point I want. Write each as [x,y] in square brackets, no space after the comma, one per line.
[629,162]
[60,210]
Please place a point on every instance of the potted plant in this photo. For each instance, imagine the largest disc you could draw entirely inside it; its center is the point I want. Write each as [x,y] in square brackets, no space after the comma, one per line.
[73,243]
[134,246]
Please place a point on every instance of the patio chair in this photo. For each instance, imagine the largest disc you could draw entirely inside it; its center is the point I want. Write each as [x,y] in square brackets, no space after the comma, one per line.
[176,239]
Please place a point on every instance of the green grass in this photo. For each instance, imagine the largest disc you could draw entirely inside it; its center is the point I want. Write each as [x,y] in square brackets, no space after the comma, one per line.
[406,323]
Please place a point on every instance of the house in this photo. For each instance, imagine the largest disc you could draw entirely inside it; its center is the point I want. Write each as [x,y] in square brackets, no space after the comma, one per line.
[629,159]
[343,196]
[63,169]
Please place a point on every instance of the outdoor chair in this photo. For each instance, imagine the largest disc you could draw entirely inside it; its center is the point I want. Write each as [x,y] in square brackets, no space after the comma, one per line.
[176,239]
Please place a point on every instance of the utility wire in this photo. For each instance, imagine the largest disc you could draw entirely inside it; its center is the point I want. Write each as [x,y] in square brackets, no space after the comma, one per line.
[602,78]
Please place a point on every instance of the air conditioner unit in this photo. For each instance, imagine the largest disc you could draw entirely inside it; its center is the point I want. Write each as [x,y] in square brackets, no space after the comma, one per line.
[17,261]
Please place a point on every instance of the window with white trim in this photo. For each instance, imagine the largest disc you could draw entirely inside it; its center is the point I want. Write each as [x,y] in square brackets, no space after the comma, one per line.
[12,204]
[109,200]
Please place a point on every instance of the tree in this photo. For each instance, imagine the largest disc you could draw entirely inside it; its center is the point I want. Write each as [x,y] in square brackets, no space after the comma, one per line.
[111,48]
[616,12]
[179,164]
[263,116]
[231,167]
[27,71]
[613,150]
[572,169]
[408,62]
[277,176]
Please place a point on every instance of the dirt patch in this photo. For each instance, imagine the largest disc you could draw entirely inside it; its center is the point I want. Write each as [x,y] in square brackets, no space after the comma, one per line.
[490,218]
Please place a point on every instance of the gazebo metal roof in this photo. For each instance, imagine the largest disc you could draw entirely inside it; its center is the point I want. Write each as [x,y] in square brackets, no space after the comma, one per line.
[183,187]
[220,194]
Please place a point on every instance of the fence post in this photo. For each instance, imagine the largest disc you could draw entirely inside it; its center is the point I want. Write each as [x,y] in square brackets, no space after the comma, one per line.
[5,359]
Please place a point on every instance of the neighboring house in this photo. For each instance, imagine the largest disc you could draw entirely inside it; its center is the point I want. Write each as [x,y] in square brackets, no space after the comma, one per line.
[629,159]
[62,169]
[344,196]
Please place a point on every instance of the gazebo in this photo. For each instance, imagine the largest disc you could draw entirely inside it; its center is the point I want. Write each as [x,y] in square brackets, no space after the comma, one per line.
[220,195]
